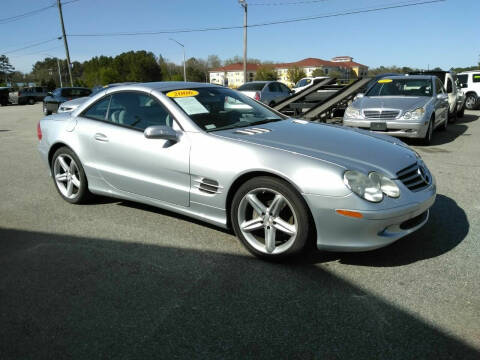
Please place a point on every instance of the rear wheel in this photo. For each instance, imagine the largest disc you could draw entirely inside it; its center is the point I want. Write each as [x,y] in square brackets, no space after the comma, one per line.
[31,101]
[270,218]
[69,176]
[461,112]
[471,102]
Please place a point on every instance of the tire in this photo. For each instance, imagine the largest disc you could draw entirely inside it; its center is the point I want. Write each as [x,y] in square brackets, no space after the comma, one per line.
[461,112]
[31,101]
[427,140]
[45,110]
[452,117]
[69,177]
[285,218]
[471,102]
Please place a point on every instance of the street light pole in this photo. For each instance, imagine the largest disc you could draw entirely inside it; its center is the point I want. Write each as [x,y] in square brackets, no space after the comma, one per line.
[243,3]
[184,66]
[69,65]
[59,73]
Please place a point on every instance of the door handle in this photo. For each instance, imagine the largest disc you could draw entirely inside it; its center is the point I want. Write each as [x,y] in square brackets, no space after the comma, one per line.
[101,137]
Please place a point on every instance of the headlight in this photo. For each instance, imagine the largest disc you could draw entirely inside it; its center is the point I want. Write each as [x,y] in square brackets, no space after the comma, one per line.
[416,114]
[371,187]
[351,112]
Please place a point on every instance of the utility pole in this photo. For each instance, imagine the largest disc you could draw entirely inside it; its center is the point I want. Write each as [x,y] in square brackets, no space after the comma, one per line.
[69,65]
[59,73]
[184,66]
[243,3]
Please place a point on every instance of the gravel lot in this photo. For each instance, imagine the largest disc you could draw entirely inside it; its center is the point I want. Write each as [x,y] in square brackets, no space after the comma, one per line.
[119,280]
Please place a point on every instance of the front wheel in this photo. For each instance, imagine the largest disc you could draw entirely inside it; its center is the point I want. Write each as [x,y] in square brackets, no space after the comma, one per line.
[270,218]
[461,112]
[427,140]
[69,176]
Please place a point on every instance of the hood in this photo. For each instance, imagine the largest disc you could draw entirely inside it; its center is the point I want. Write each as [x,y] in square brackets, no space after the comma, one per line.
[347,147]
[391,102]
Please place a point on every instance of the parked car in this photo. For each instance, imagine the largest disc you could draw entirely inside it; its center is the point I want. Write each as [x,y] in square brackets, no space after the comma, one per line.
[52,102]
[268,92]
[404,106]
[449,81]
[470,84]
[306,82]
[178,146]
[4,96]
[73,104]
[28,95]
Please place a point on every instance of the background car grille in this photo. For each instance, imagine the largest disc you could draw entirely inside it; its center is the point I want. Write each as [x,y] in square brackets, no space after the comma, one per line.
[381,114]
[415,177]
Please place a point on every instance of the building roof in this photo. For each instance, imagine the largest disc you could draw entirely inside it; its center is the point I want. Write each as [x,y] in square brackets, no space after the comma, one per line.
[236,67]
[308,62]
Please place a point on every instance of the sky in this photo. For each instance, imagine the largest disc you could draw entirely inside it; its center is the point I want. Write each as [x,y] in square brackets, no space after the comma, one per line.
[444,34]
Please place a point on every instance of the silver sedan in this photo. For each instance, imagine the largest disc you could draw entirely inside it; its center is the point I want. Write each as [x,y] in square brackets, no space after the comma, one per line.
[403,106]
[214,154]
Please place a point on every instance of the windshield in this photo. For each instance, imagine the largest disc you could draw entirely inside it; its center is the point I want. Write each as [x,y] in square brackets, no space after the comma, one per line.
[252,87]
[216,108]
[401,87]
[303,82]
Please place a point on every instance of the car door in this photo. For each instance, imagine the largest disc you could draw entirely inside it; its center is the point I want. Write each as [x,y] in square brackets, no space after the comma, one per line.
[441,104]
[115,146]
[50,101]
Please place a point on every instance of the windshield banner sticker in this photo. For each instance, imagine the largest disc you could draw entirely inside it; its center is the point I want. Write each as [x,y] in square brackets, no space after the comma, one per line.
[385,81]
[182,93]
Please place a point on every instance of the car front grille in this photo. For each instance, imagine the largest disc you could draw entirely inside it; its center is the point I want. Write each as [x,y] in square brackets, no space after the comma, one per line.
[381,114]
[416,177]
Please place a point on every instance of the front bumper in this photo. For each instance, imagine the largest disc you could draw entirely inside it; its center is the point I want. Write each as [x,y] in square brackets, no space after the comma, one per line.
[397,128]
[377,228]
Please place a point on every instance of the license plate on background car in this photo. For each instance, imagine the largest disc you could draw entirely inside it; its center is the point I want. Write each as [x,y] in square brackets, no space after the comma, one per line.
[378,126]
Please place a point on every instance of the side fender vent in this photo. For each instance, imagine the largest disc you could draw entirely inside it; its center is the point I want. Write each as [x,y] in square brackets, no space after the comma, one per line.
[253,131]
[208,186]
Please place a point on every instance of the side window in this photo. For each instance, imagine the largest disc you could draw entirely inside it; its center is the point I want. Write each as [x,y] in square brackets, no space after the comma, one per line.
[138,110]
[273,87]
[284,88]
[449,85]
[476,78]
[98,111]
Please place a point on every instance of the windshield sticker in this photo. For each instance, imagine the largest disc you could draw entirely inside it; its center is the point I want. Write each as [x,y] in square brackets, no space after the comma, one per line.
[385,81]
[476,77]
[182,93]
[191,105]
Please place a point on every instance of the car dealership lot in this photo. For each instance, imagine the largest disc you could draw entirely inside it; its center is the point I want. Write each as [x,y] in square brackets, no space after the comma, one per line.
[118,279]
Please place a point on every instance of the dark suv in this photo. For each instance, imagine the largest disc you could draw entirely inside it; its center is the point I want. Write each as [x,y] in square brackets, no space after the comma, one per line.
[29,95]
[52,102]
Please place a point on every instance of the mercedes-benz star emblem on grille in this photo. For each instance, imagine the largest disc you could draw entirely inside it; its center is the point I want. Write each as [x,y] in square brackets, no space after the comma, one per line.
[421,173]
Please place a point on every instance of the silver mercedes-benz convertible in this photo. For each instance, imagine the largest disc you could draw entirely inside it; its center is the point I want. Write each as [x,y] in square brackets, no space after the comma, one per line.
[215,154]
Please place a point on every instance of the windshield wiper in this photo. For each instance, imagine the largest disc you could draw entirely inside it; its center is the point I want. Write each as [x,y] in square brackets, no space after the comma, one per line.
[264,121]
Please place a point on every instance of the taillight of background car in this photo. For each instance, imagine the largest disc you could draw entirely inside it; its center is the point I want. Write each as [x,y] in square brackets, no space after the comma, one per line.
[39,131]
[257,96]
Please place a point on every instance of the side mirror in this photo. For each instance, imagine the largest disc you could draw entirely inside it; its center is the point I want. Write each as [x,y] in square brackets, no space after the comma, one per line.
[441,96]
[49,93]
[359,96]
[161,132]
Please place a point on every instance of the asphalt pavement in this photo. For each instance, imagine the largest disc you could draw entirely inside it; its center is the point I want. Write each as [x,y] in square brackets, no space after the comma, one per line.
[118,280]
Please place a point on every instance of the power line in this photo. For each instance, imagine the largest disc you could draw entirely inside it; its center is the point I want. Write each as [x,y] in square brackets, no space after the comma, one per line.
[37,52]
[316,17]
[31,13]
[31,45]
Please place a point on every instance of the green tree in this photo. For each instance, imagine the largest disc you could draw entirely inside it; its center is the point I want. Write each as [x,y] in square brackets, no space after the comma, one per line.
[318,72]
[196,69]
[294,74]
[5,68]
[170,71]
[266,72]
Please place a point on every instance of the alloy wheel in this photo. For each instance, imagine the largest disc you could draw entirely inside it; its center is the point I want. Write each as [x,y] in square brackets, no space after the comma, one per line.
[67,176]
[267,221]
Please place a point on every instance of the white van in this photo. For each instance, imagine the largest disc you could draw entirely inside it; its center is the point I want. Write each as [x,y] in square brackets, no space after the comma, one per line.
[470,84]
